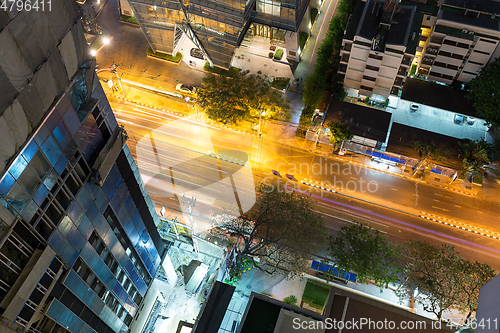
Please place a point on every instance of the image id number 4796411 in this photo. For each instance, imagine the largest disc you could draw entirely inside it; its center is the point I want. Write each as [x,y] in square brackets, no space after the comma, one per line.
[27,5]
[474,323]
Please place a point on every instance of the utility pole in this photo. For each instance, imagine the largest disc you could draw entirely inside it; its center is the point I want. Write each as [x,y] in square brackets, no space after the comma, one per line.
[191,202]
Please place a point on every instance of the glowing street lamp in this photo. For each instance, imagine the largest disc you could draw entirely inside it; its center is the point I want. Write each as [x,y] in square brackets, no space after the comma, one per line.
[93,52]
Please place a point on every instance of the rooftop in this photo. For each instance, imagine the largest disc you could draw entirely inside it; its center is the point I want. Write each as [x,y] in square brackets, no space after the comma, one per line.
[402,139]
[457,15]
[352,26]
[391,27]
[363,121]
[430,93]
[485,6]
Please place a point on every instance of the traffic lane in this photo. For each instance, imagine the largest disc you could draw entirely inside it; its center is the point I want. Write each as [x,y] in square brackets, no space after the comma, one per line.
[403,226]
[387,189]
[142,120]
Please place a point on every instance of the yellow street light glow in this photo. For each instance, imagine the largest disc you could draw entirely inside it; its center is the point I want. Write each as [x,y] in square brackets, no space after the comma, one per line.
[105,40]
[93,52]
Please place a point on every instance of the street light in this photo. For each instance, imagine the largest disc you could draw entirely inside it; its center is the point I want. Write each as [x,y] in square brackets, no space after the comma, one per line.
[93,53]
[260,118]
[105,40]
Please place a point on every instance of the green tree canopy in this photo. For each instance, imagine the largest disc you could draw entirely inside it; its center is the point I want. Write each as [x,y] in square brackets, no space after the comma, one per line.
[231,99]
[432,151]
[359,248]
[475,154]
[442,277]
[484,90]
[282,230]
[339,131]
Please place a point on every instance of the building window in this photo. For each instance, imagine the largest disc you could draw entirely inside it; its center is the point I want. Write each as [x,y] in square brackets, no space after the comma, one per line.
[366,88]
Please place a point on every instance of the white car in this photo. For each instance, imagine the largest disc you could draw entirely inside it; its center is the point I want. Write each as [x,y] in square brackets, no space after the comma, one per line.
[187,89]
[414,107]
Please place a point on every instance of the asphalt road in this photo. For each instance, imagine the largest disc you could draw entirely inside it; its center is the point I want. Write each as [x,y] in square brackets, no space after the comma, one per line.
[172,155]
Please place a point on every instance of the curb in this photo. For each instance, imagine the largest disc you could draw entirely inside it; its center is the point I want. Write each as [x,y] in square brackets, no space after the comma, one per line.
[466,228]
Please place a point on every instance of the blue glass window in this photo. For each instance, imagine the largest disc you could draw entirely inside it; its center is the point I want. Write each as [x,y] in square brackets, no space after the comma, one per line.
[17,197]
[29,211]
[51,180]
[42,134]
[81,139]
[92,212]
[28,180]
[61,164]
[30,150]
[78,241]
[65,226]
[51,150]
[40,164]
[71,120]
[56,240]
[62,135]
[6,184]
[18,166]
[84,199]
[78,94]
[52,120]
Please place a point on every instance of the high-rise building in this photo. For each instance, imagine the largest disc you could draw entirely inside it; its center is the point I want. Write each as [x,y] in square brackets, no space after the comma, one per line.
[464,38]
[379,44]
[218,27]
[78,242]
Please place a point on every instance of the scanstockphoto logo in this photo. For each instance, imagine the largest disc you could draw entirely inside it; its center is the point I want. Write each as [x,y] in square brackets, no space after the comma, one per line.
[329,176]
[178,159]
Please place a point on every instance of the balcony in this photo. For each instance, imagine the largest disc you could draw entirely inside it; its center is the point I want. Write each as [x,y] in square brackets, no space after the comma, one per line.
[436,40]
[407,61]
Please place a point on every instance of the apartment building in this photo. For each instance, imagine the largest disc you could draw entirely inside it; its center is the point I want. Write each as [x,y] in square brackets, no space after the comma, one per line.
[463,39]
[378,48]
[78,242]
[218,27]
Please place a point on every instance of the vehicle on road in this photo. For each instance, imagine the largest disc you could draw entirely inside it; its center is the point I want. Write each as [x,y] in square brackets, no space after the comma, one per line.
[196,53]
[186,88]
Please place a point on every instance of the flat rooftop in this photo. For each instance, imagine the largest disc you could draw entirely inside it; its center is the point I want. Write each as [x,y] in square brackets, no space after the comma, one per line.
[402,139]
[362,120]
[487,6]
[438,96]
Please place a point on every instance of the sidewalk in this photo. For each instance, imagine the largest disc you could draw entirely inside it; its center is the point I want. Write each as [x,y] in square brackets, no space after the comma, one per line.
[431,178]
[279,288]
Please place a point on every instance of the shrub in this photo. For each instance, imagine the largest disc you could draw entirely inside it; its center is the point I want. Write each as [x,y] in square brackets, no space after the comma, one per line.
[164,56]
[314,14]
[280,82]
[290,300]
[271,54]
[279,54]
[303,40]
[129,19]
[233,71]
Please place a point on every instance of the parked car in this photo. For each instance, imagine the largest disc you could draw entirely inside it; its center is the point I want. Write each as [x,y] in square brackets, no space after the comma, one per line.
[414,107]
[458,119]
[470,121]
[196,53]
[187,89]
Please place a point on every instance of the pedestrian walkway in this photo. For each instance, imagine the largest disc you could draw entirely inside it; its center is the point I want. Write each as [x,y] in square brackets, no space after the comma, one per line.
[278,287]
[400,166]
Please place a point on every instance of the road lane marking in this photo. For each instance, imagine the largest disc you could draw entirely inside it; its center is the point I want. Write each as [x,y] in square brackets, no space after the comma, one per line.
[458,206]
[479,212]
[393,189]
[446,210]
[435,200]
[459,225]
[353,178]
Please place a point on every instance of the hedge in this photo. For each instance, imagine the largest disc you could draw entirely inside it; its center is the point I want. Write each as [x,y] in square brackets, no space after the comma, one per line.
[233,71]
[165,56]
[303,40]
[279,54]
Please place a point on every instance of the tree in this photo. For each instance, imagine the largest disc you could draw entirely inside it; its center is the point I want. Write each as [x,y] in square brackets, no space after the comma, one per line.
[474,276]
[432,151]
[475,154]
[442,277]
[339,131]
[231,99]
[279,233]
[359,248]
[432,271]
[484,90]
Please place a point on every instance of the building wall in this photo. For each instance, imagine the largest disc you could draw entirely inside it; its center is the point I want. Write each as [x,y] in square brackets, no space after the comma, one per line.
[74,255]
[216,28]
[457,51]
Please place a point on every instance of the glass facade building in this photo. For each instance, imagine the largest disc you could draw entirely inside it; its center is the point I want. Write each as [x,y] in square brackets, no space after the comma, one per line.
[78,240]
[216,27]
